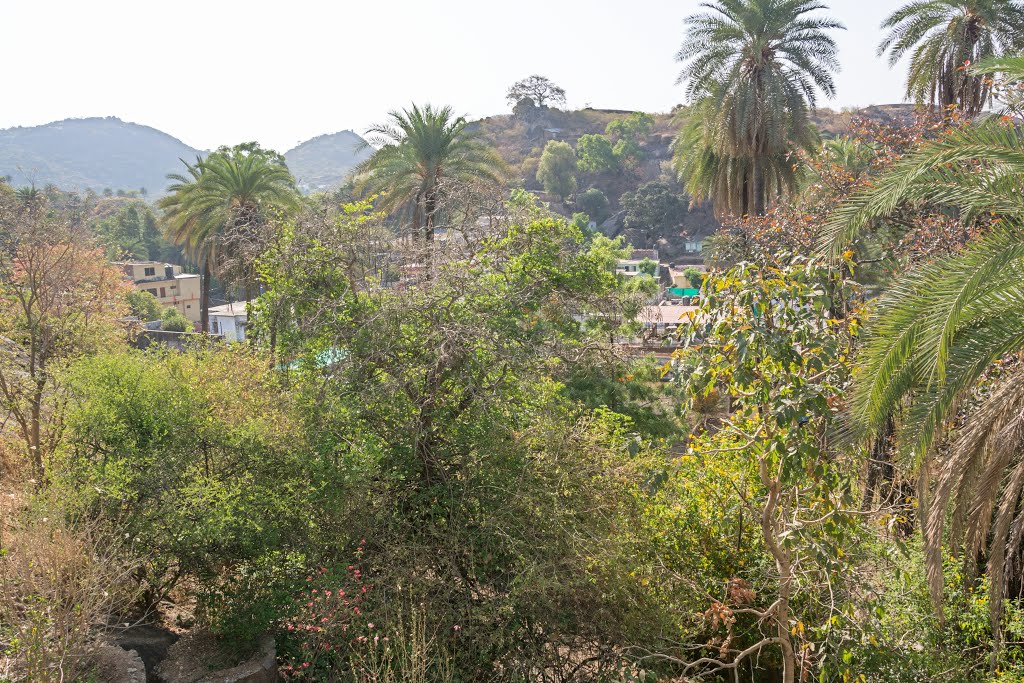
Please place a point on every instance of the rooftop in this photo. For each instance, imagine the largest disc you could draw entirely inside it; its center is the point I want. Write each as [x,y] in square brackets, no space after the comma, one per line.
[235,308]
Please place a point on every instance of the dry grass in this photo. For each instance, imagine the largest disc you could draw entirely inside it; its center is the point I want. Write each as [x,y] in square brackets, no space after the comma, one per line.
[59,587]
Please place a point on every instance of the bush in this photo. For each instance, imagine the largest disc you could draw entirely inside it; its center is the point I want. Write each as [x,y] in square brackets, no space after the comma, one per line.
[174,320]
[57,584]
[144,306]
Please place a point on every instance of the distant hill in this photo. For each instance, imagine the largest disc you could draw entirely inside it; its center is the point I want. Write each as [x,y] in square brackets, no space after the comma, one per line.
[96,153]
[326,160]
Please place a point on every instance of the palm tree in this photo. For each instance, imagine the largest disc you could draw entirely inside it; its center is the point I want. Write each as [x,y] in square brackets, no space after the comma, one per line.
[940,328]
[215,209]
[417,151]
[943,37]
[753,70]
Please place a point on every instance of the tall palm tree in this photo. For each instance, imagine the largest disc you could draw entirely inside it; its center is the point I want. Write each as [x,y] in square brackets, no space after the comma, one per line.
[419,149]
[216,207]
[942,38]
[940,328]
[753,70]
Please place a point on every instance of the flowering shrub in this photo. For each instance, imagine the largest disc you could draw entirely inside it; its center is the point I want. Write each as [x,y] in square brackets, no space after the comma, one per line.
[326,624]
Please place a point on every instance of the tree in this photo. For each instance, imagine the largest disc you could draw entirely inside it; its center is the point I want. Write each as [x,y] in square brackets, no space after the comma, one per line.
[753,71]
[939,331]
[59,299]
[629,135]
[594,204]
[174,320]
[417,151]
[655,208]
[943,38]
[596,154]
[537,88]
[557,169]
[766,339]
[219,207]
[144,305]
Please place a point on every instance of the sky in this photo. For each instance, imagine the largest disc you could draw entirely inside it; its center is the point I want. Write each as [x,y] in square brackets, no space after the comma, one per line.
[213,72]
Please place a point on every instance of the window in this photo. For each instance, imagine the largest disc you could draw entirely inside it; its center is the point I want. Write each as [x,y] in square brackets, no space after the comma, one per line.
[163,292]
[150,272]
[189,306]
[214,327]
[152,291]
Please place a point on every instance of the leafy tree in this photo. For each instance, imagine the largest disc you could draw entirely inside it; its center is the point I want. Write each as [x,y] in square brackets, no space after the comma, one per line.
[943,37]
[557,169]
[133,232]
[595,205]
[655,208]
[539,89]
[753,69]
[219,209]
[59,299]
[766,339]
[144,305]
[694,277]
[628,135]
[596,154]
[417,150]
[174,320]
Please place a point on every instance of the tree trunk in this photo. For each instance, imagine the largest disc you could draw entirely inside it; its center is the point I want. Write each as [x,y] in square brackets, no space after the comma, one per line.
[758,203]
[204,304]
[35,441]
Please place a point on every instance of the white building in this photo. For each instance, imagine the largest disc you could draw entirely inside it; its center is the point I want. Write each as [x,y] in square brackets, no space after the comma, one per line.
[230,320]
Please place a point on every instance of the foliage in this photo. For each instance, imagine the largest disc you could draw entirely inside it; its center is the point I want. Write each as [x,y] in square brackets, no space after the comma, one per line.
[943,39]
[132,233]
[557,169]
[694,277]
[143,305]
[59,299]
[198,456]
[596,154]
[767,339]
[629,135]
[539,89]
[753,69]
[174,320]
[595,205]
[654,208]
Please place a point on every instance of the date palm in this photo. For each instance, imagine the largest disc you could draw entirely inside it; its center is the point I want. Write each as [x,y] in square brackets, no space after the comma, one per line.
[753,69]
[419,149]
[940,329]
[943,37]
[216,208]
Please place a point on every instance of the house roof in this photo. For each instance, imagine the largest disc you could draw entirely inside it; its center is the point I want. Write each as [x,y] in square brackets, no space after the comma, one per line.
[234,309]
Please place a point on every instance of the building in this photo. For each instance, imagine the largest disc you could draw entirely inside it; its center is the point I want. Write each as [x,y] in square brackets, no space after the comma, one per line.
[168,284]
[230,320]
[631,266]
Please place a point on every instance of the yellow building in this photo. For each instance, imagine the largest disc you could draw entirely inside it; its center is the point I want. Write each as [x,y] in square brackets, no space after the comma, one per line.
[168,284]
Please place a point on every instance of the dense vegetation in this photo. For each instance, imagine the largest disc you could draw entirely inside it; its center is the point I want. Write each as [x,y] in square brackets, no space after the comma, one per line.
[445,452]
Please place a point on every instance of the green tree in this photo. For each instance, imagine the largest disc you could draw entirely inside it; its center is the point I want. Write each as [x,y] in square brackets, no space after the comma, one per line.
[417,151]
[596,154]
[219,209]
[144,305]
[629,135]
[174,320]
[595,205]
[557,169]
[655,208]
[943,37]
[753,71]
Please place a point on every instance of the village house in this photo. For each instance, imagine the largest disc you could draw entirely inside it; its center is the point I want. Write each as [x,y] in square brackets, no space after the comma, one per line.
[230,320]
[167,282]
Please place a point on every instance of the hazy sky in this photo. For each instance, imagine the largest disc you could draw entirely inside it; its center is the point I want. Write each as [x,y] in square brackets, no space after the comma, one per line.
[217,72]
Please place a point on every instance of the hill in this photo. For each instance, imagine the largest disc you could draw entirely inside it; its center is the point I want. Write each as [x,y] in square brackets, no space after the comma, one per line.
[92,153]
[326,160]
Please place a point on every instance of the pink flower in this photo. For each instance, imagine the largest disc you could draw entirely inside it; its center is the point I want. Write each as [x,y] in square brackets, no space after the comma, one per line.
[370,625]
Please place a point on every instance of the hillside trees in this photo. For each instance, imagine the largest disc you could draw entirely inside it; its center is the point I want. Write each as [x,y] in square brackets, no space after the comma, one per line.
[594,204]
[753,69]
[654,208]
[59,299]
[557,169]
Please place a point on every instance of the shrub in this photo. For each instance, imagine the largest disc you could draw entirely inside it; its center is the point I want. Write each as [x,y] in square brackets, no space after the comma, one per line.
[57,583]
[174,320]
